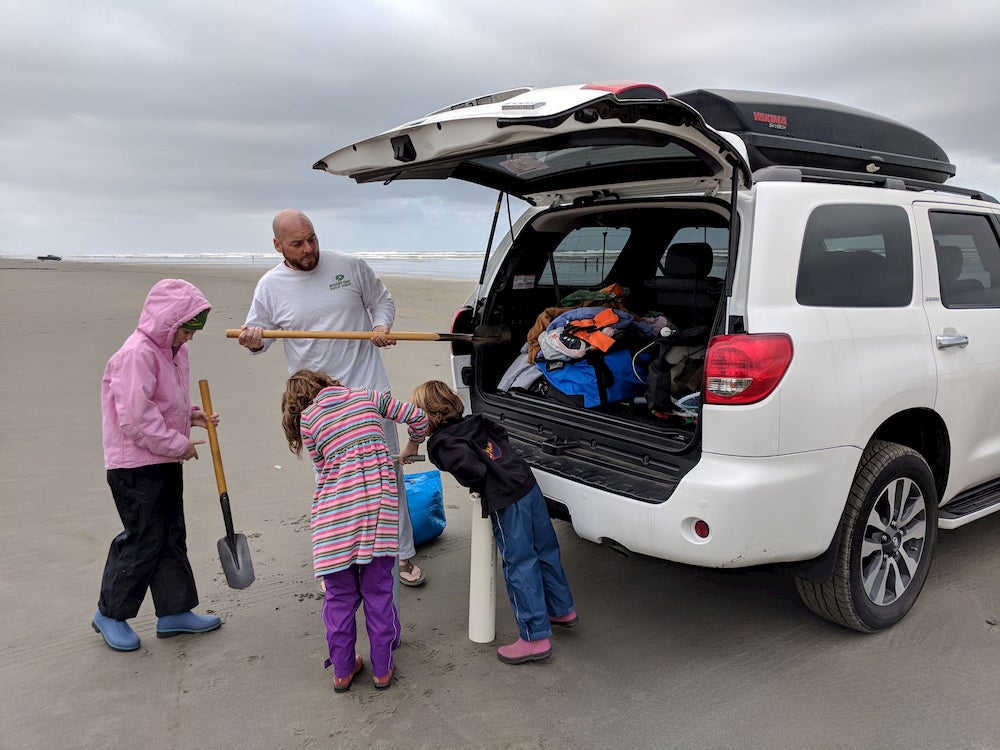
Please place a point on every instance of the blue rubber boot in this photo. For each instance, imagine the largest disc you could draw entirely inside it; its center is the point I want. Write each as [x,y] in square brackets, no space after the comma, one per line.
[186,622]
[116,633]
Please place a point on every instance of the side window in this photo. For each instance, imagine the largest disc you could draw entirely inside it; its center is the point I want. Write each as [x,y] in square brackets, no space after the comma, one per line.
[856,256]
[968,259]
[586,256]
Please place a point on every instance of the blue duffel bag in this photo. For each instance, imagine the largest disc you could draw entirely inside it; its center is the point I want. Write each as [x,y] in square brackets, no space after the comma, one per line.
[425,499]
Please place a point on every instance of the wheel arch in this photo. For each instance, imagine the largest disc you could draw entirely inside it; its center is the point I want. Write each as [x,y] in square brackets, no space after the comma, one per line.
[924,431]
[920,429]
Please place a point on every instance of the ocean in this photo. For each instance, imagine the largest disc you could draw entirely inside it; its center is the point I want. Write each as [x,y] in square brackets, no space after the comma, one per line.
[443,264]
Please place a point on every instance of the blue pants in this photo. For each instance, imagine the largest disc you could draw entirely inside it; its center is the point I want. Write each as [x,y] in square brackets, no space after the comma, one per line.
[532,569]
[345,591]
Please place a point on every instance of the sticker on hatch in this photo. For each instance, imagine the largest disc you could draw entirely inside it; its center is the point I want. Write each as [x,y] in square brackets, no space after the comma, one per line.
[523,163]
[524,281]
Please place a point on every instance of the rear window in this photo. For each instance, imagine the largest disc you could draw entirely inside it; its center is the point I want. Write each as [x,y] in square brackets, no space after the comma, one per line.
[585,256]
[856,256]
[610,157]
[533,164]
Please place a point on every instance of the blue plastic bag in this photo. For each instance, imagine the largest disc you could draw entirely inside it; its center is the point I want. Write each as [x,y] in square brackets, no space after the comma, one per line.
[425,499]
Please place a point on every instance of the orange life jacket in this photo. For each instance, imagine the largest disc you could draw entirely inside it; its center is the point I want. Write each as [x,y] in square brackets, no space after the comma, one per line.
[590,329]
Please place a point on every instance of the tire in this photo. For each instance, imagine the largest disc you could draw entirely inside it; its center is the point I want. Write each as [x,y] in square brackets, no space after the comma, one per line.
[887,538]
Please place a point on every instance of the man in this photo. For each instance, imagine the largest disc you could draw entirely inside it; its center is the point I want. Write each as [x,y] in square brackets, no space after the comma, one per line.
[330,291]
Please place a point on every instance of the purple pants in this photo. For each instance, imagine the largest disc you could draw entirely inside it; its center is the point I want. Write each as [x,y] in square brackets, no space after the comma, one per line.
[345,590]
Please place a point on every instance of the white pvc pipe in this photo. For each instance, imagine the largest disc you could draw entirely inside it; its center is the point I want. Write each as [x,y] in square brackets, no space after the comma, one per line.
[482,577]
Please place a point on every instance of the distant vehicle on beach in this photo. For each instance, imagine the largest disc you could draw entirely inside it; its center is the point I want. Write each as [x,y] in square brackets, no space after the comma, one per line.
[49,257]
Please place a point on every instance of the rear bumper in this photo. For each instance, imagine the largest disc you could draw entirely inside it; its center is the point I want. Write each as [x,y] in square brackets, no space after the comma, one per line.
[759,510]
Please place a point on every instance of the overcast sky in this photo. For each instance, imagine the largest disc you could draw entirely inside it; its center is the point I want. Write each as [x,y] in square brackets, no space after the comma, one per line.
[158,127]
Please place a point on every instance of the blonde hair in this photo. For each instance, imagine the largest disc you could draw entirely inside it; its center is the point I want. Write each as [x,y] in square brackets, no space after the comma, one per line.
[439,402]
[300,391]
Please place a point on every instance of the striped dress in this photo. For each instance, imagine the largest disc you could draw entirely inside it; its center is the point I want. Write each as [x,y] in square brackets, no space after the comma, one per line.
[355,511]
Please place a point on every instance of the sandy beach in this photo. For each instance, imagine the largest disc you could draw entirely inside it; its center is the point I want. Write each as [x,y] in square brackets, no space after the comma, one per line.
[665,656]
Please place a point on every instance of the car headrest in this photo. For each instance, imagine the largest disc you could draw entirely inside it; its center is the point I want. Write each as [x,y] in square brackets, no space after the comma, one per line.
[949,262]
[689,260]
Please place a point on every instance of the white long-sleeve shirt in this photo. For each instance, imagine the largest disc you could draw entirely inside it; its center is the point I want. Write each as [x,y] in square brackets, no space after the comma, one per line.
[341,293]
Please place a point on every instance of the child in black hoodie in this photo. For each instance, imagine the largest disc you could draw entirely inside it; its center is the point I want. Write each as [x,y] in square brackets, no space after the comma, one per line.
[476,452]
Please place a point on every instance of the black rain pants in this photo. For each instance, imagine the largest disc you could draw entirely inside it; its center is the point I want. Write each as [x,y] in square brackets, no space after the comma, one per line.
[152,550]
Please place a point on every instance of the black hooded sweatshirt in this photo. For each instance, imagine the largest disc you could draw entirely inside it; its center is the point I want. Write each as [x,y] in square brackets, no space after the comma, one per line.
[476,452]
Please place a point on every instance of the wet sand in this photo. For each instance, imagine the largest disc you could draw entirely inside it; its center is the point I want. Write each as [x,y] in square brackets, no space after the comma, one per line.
[665,656]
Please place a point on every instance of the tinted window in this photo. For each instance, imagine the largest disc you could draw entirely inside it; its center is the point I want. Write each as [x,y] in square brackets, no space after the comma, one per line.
[968,259]
[585,256]
[856,256]
[615,154]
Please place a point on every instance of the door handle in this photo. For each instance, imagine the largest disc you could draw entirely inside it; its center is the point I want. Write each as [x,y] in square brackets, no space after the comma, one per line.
[947,341]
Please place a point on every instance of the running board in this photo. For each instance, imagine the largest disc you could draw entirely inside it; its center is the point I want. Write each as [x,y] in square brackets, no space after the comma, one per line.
[971,505]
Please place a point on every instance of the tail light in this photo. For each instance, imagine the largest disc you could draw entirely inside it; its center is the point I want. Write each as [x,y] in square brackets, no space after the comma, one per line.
[462,323]
[628,90]
[745,368]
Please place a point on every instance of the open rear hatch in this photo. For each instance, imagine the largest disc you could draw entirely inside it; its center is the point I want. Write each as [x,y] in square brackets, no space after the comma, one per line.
[551,145]
[637,193]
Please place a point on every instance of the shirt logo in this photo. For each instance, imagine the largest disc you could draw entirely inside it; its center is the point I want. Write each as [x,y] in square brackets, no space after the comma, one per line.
[339,282]
[492,451]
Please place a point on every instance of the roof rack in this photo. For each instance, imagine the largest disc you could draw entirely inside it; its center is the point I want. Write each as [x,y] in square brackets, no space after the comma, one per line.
[818,174]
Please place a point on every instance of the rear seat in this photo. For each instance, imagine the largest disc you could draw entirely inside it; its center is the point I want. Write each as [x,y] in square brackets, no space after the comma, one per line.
[685,293]
[955,290]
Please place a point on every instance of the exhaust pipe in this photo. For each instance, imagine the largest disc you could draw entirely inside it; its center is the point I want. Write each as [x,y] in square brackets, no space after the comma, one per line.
[616,546]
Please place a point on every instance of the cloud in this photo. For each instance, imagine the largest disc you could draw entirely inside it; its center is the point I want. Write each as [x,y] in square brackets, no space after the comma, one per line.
[183,126]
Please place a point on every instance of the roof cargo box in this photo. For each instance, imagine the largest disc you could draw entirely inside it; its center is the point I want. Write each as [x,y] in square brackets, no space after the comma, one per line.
[783,130]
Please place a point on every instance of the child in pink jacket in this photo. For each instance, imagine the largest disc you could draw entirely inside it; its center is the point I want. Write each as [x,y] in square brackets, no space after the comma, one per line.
[147,418]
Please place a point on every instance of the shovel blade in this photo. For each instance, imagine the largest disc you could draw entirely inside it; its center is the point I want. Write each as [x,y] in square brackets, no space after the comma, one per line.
[236,562]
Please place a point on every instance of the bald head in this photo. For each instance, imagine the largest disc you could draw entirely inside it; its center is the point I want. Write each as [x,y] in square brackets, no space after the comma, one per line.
[287,219]
[295,239]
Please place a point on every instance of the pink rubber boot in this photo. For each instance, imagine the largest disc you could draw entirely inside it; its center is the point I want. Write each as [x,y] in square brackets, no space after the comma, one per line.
[521,651]
[569,620]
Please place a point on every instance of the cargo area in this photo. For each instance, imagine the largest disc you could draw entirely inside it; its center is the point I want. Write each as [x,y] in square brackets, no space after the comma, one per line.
[610,309]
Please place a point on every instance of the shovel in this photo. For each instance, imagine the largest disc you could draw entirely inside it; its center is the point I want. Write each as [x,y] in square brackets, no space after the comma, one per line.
[483,335]
[234,552]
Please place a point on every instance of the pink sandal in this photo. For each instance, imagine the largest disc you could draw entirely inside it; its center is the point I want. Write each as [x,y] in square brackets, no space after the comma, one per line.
[410,574]
[343,684]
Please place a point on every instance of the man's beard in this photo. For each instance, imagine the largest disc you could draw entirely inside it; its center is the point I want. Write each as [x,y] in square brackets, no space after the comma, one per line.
[307,263]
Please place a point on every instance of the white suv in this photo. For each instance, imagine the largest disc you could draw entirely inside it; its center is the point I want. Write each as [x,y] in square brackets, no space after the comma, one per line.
[746,329]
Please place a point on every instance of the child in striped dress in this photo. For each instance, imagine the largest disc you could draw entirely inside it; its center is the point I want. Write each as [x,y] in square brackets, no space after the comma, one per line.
[355,513]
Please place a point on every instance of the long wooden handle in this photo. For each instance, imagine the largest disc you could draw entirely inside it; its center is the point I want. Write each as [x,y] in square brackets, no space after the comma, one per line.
[233,333]
[213,438]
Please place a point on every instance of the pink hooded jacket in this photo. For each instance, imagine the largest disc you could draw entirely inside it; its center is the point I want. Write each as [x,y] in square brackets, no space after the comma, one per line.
[145,398]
